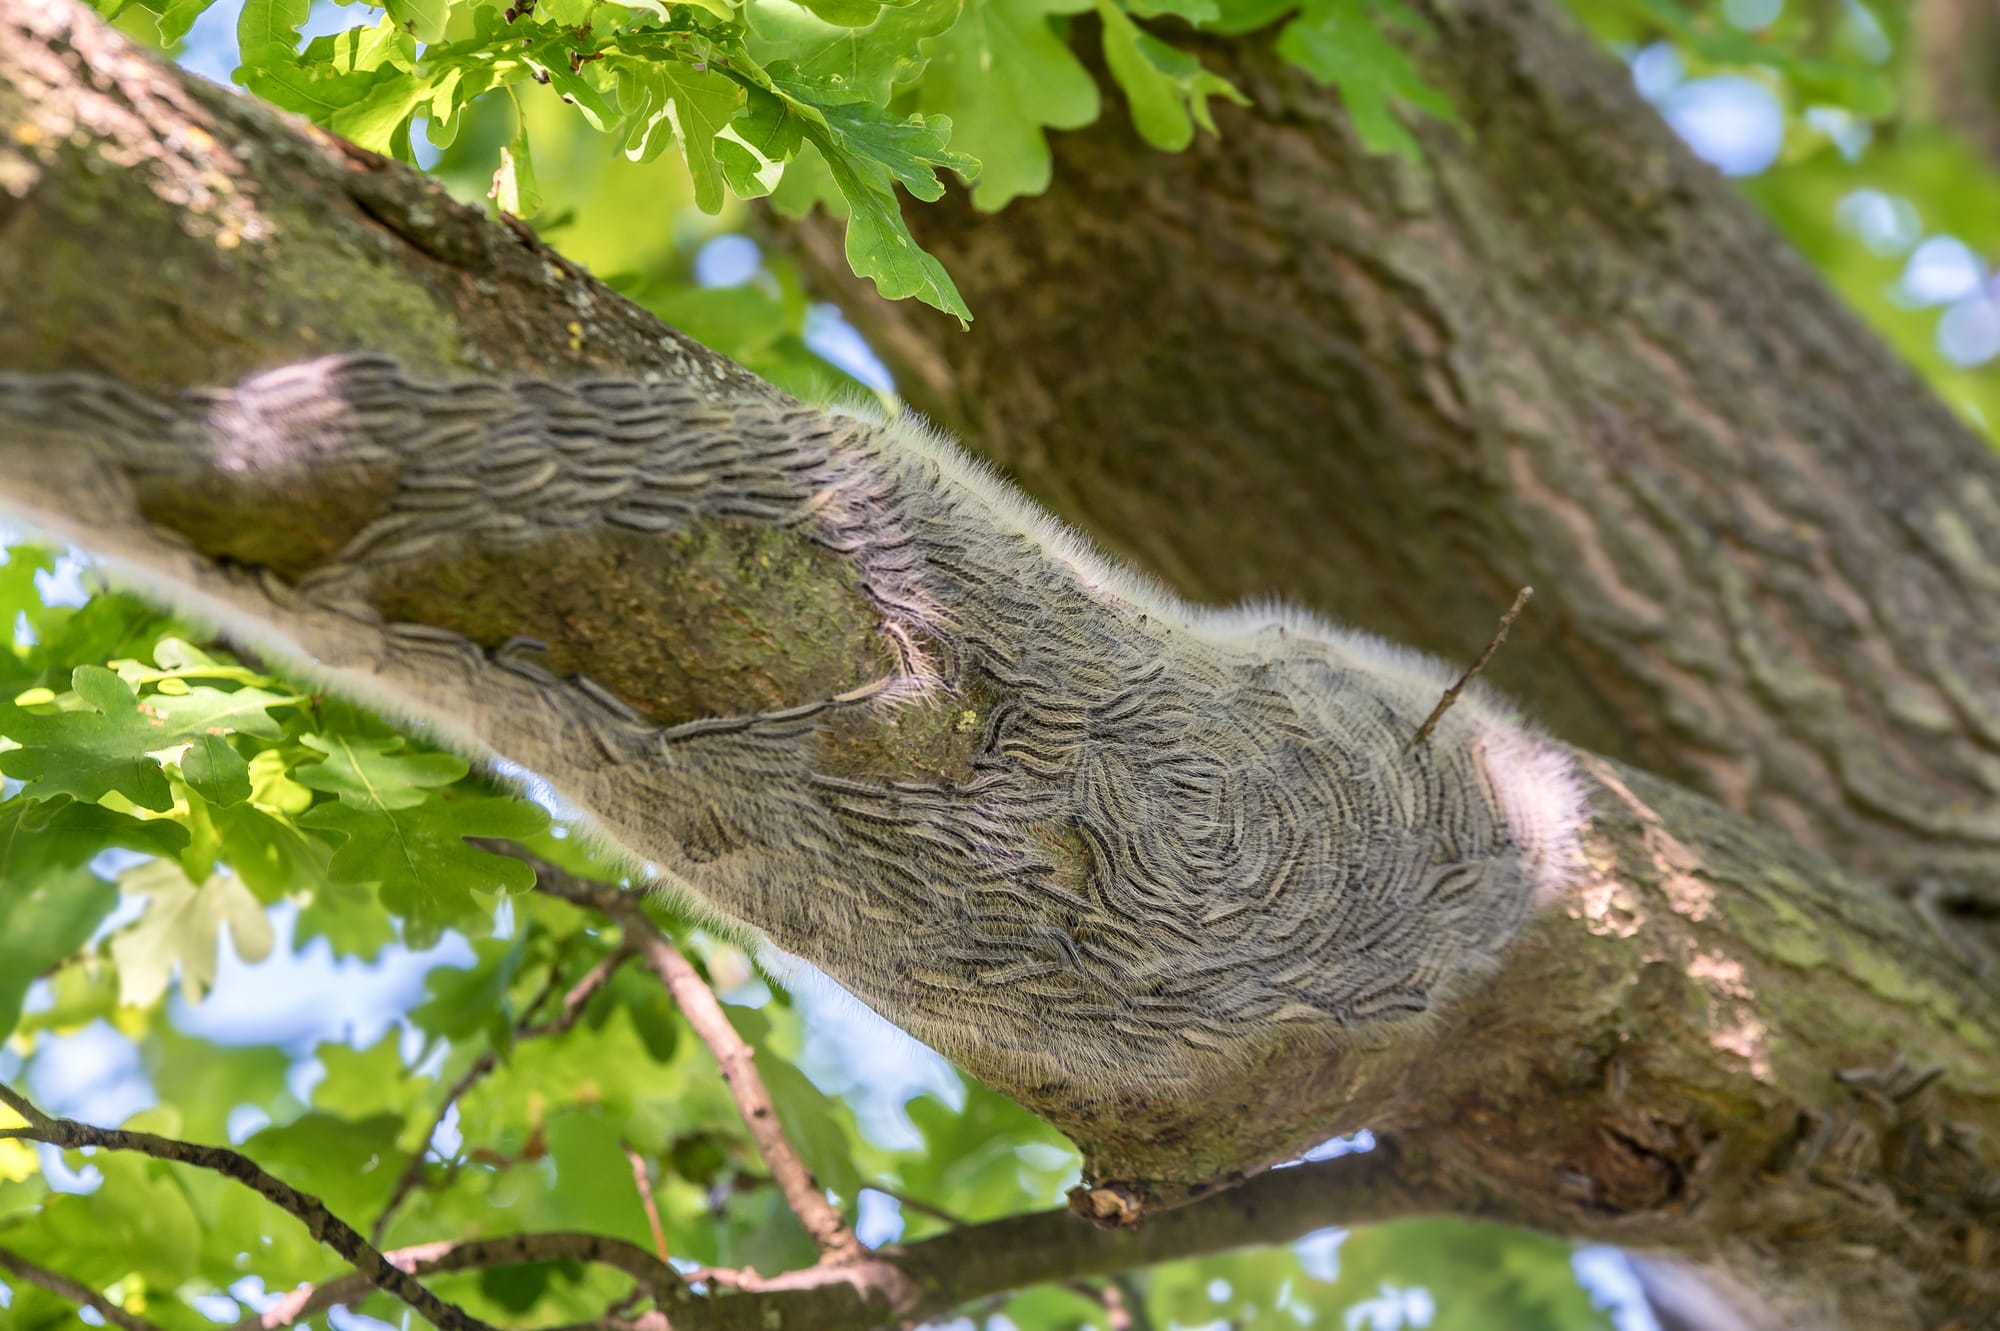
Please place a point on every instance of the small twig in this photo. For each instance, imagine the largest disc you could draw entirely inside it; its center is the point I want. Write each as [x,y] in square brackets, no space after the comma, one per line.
[644,1183]
[1117,1313]
[1472,671]
[1133,1299]
[655,1277]
[82,1295]
[413,1168]
[580,994]
[830,1232]
[573,1003]
[920,1206]
[20,1104]
[310,1211]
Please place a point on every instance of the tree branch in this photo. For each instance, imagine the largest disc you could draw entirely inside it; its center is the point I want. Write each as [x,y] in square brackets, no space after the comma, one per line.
[1653,1060]
[75,1291]
[321,1223]
[659,1280]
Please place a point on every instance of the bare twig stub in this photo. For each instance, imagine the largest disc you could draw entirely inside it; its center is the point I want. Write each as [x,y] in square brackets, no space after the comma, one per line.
[1472,671]
[309,1210]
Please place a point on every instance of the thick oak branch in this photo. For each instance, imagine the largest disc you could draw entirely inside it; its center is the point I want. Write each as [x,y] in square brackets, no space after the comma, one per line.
[1692,1045]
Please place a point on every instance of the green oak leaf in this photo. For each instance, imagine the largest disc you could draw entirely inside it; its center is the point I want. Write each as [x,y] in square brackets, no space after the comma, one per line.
[974,1160]
[1342,43]
[593,1188]
[1240,16]
[870,61]
[1527,1278]
[101,746]
[368,772]
[206,711]
[419,856]
[574,88]
[19,592]
[880,247]
[465,1001]
[177,16]
[49,905]
[106,742]
[364,1082]
[43,920]
[42,836]
[217,771]
[272,857]
[77,995]
[909,150]
[140,1223]
[677,101]
[655,1018]
[351,1164]
[267,33]
[375,120]
[423,19]
[175,658]
[272,788]
[1004,74]
[868,151]
[365,50]
[1166,88]
[844,13]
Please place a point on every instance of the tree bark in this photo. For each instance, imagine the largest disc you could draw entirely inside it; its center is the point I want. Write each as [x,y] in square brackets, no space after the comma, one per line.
[1715,1044]
[1561,352]
[1955,69]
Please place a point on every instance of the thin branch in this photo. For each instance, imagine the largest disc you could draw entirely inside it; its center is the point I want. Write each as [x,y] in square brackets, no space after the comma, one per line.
[964,1266]
[20,1104]
[697,1002]
[644,1183]
[937,1274]
[82,1295]
[1472,671]
[1117,1311]
[573,1004]
[413,1168]
[1132,1298]
[920,1206]
[655,1277]
[580,994]
[310,1211]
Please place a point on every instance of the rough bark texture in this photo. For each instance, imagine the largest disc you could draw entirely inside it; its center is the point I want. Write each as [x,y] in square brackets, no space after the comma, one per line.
[1717,1045]
[1956,47]
[1563,353]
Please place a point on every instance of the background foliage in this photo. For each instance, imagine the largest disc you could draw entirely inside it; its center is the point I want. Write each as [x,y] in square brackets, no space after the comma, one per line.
[178,821]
